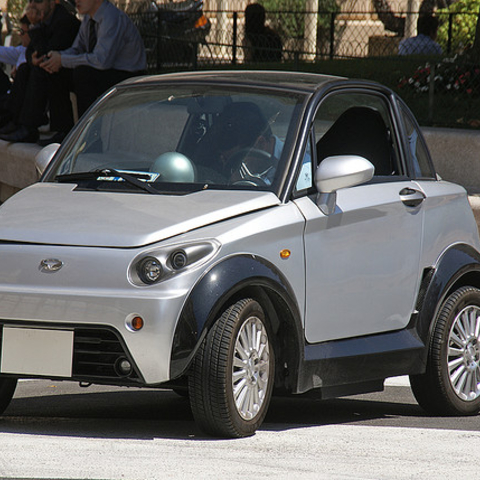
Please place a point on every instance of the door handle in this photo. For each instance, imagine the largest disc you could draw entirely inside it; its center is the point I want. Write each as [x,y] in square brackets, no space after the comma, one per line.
[411,197]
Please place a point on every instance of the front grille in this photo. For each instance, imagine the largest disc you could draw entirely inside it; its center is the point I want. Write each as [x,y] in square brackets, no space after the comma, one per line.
[97,352]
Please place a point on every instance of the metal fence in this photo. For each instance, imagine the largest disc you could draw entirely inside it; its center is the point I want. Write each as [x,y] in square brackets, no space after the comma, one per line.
[305,36]
[442,90]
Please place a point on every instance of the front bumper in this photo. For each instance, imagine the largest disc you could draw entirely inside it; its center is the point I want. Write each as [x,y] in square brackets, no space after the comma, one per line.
[97,355]
[92,297]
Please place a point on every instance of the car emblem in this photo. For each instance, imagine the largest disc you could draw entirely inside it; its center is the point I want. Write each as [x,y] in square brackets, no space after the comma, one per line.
[50,265]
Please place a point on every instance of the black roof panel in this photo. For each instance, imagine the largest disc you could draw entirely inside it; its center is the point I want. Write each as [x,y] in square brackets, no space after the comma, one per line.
[289,80]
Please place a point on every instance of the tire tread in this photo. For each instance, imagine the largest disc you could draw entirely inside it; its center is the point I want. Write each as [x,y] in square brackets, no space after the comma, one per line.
[431,389]
[209,374]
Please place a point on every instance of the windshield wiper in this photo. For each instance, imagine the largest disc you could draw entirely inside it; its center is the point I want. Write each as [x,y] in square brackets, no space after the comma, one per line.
[107,172]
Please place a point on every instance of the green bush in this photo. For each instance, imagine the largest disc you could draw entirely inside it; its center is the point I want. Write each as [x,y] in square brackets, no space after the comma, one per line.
[464,20]
[288,16]
[457,108]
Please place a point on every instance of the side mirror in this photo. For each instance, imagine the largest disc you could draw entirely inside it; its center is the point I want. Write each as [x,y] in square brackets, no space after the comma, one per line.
[44,156]
[338,172]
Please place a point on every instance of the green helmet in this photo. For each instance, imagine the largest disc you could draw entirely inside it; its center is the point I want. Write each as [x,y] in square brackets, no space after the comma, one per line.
[174,167]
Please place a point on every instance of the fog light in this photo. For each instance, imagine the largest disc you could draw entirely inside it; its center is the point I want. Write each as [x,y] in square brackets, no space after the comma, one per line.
[124,367]
[149,270]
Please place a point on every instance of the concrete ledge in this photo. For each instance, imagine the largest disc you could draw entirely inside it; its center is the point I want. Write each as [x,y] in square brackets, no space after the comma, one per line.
[17,167]
[475,204]
[456,154]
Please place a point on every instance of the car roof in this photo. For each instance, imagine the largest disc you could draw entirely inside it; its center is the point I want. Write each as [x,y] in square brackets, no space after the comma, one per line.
[307,82]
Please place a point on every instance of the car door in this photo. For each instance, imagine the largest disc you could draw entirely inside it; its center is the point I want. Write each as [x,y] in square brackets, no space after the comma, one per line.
[362,260]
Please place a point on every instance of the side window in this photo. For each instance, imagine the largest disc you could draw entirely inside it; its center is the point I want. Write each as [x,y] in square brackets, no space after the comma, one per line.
[358,124]
[417,151]
[305,178]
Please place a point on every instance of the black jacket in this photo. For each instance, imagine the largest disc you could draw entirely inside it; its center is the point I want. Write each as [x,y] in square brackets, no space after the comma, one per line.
[57,33]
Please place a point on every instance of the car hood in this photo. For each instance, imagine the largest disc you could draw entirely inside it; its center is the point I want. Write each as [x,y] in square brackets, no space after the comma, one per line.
[50,213]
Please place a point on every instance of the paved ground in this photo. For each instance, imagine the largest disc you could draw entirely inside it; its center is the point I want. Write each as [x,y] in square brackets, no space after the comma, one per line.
[57,430]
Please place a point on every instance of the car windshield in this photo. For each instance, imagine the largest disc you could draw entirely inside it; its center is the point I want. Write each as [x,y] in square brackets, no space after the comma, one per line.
[181,139]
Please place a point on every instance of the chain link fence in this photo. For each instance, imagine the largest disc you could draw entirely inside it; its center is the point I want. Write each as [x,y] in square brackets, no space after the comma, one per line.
[221,38]
[442,90]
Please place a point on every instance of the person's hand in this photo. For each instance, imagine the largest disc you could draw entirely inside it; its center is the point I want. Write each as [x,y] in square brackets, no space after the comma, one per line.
[52,62]
[37,59]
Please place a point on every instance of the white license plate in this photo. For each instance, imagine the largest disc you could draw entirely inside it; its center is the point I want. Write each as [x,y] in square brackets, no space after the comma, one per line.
[29,351]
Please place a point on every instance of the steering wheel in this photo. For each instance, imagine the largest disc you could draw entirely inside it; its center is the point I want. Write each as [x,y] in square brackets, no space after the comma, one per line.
[249,166]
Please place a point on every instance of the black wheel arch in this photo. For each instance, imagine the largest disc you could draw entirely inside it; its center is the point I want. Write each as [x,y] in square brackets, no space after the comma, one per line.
[459,266]
[233,278]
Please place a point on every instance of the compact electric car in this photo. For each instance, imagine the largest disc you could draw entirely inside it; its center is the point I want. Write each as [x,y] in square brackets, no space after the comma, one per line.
[238,235]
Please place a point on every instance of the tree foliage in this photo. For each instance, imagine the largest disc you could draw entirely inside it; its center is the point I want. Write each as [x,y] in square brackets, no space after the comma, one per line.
[463,14]
[288,16]
[15,9]
[476,44]
[396,23]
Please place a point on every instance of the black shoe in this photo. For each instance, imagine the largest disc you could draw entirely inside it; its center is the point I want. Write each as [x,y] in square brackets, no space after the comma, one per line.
[57,138]
[23,135]
[9,128]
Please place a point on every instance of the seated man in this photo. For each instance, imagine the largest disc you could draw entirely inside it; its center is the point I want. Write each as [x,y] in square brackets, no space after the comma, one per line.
[56,28]
[240,131]
[108,49]
[249,150]
[241,147]
[14,56]
[261,43]
[424,43]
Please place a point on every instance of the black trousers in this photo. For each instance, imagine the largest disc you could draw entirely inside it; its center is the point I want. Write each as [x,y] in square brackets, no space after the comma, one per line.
[5,84]
[45,89]
[15,99]
[89,83]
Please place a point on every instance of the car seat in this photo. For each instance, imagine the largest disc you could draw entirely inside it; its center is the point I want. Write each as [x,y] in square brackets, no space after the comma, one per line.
[359,131]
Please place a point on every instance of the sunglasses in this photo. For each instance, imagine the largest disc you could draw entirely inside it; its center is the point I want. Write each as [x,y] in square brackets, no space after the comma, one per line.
[36,1]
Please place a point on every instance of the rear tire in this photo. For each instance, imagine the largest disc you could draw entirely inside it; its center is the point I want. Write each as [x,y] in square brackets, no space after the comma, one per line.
[7,390]
[232,377]
[451,383]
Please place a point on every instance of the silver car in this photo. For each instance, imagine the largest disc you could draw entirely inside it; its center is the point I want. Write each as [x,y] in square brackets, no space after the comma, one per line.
[232,235]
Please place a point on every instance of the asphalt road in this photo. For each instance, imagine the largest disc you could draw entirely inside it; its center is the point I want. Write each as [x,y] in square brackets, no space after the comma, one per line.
[58,430]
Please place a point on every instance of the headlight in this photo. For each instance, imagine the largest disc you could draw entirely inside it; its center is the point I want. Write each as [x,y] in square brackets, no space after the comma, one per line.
[178,260]
[149,270]
[162,263]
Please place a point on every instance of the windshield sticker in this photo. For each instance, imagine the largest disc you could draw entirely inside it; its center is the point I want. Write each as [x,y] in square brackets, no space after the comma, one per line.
[142,176]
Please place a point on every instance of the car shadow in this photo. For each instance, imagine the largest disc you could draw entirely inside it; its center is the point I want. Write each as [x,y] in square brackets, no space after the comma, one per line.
[148,414]
[292,412]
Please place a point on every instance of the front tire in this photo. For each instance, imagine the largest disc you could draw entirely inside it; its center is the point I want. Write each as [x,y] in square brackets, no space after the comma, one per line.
[451,383]
[232,377]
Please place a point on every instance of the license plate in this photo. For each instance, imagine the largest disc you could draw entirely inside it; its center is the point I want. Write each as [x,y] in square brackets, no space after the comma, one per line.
[28,351]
